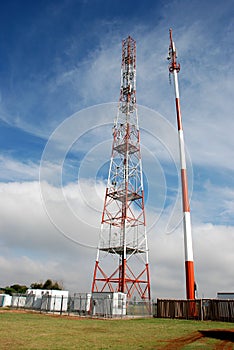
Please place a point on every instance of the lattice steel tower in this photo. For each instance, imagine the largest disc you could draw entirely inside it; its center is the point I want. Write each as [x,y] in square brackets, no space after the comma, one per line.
[122,253]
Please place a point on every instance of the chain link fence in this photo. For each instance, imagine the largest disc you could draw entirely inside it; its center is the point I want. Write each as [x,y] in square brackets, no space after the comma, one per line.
[81,304]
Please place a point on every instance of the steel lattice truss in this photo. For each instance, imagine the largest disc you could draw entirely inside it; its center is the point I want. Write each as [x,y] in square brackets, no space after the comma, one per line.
[123,238]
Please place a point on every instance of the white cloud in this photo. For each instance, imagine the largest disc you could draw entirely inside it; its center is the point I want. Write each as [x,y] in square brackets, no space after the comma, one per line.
[32,249]
[13,169]
[214,256]
[213,203]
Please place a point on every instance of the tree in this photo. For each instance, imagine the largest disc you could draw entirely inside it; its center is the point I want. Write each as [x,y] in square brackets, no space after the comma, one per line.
[36,285]
[48,284]
[21,289]
[15,289]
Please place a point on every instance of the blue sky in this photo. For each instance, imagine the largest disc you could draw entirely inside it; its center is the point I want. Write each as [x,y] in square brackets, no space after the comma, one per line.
[59,82]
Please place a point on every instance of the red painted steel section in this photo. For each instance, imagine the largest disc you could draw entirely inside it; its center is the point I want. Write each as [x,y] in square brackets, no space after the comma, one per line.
[190,285]
[94,276]
[185,196]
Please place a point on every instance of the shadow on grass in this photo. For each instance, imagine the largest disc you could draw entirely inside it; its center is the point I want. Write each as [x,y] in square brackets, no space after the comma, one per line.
[221,334]
[224,335]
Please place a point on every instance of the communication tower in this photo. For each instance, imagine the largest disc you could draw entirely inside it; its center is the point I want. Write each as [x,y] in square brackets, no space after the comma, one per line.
[174,69]
[122,254]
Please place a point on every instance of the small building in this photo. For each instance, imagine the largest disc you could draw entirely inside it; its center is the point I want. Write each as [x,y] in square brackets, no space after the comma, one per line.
[225,295]
[5,300]
[47,300]
[108,304]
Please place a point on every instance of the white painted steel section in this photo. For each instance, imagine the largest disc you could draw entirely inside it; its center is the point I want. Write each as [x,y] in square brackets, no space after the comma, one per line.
[173,47]
[182,149]
[188,244]
[147,249]
[176,85]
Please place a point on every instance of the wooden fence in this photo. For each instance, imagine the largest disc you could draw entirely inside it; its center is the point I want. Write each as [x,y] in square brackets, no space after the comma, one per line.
[199,309]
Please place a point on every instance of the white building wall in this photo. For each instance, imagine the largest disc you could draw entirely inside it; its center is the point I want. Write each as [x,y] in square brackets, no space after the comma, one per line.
[5,300]
[49,300]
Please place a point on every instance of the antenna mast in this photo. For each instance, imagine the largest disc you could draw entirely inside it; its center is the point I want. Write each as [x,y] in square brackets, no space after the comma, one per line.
[122,255]
[174,69]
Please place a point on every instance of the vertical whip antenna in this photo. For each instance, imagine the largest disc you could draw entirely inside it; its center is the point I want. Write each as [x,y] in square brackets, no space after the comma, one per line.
[174,69]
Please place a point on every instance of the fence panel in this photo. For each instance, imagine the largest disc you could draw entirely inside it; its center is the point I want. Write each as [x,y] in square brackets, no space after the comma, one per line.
[199,309]
[139,308]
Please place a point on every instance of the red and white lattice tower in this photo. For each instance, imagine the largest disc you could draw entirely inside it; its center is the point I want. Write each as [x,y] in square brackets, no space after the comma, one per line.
[122,254]
[174,69]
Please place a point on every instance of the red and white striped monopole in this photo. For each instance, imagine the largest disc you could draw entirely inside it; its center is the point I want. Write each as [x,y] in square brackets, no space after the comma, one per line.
[174,68]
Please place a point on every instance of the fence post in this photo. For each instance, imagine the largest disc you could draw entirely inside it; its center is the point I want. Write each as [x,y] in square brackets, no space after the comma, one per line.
[54,303]
[61,308]
[229,311]
[41,303]
[68,305]
[158,308]
[187,308]
[201,310]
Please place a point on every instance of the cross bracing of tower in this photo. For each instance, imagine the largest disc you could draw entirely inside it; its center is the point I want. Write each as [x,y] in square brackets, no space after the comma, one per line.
[122,253]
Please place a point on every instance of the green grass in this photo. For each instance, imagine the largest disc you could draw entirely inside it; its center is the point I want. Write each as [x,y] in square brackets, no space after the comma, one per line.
[40,331]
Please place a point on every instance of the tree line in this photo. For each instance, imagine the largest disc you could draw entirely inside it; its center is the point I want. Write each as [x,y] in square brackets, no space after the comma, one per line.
[21,289]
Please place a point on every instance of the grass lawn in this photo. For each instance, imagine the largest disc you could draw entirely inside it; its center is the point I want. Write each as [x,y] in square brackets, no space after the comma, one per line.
[19,330]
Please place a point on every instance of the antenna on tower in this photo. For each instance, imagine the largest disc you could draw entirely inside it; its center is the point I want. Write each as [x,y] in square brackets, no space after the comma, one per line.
[174,69]
[122,255]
